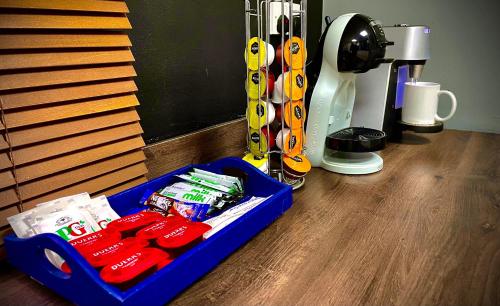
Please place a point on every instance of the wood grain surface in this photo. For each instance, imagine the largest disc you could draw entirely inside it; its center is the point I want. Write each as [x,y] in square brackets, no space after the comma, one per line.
[423,231]
[36,41]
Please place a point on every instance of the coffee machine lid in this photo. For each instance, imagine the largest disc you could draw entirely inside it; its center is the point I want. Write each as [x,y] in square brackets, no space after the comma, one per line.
[362,46]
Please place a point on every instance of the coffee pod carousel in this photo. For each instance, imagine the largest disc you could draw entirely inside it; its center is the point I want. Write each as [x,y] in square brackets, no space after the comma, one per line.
[275,108]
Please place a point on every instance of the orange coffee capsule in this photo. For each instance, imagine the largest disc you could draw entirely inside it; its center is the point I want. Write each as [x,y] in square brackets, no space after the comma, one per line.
[297,166]
[298,84]
[298,55]
[293,141]
[295,114]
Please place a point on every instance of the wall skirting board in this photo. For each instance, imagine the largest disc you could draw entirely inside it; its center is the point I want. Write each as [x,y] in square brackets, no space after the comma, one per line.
[226,139]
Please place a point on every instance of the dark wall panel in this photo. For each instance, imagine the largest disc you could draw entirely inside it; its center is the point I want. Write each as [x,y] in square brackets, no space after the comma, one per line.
[189,61]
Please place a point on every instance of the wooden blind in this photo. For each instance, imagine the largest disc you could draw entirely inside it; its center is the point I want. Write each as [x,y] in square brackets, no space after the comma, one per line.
[68,121]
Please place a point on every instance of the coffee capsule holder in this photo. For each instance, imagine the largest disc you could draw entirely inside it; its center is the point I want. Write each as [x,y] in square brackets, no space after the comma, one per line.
[258,24]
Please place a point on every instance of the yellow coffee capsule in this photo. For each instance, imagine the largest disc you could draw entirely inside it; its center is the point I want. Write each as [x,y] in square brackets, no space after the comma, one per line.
[253,84]
[257,142]
[257,48]
[258,162]
[260,113]
[298,55]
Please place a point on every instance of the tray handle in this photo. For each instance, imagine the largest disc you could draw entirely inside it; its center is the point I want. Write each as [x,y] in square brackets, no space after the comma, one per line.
[29,256]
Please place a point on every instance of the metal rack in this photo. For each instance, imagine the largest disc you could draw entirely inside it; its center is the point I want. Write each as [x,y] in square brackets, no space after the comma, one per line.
[258,19]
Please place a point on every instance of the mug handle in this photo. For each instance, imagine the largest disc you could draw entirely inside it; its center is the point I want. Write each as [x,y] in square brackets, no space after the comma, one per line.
[453,105]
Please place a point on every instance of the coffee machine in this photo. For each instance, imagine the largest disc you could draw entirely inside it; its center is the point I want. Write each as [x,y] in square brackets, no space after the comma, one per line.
[379,92]
[351,44]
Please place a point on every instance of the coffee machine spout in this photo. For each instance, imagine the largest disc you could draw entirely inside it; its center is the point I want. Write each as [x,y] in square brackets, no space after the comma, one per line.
[415,71]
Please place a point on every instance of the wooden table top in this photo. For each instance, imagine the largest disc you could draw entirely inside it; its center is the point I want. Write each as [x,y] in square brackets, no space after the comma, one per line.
[424,230]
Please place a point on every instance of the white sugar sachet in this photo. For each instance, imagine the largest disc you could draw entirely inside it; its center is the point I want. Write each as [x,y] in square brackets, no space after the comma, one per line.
[230,215]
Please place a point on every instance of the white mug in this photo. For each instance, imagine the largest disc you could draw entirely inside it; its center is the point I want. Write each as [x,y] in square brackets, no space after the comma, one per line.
[421,103]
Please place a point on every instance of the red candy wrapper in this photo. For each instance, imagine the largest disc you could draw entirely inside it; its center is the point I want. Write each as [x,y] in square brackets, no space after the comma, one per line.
[157,229]
[182,237]
[127,271]
[129,225]
[102,257]
[96,240]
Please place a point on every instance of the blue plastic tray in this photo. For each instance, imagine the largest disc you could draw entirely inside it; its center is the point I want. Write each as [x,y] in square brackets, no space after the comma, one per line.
[85,287]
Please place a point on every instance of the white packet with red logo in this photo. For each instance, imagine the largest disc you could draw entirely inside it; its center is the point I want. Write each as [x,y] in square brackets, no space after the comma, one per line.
[81,197]
[22,223]
[69,224]
[51,207]
[100,210]
[21,228]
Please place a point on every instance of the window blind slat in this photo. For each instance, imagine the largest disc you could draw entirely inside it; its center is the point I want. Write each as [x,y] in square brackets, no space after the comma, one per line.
[5,161]
[36,21]
[78,126]
[121,187]
[69,161]
[56,77]
[93,185]
[3,143]
[48,184]
[7,212]
[76,109]
[68,99]
[41,41]
[59,59]
[87,5]
[8,197]
[70,144]
[61,94]
[6,179]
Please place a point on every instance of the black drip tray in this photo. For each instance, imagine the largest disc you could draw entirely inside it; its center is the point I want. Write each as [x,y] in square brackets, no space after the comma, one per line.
[356,139]
[431,128]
